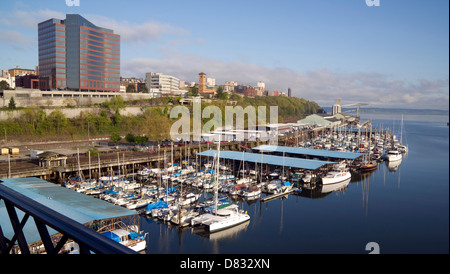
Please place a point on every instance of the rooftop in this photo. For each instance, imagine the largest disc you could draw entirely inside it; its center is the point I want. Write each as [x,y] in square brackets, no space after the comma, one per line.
[267,159]
[77,206]
[309,152]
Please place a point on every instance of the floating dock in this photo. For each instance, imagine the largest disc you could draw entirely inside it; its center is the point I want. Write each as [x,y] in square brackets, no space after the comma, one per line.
[277,195]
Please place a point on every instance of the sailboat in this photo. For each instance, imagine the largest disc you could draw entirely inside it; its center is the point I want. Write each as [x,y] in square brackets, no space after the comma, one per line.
[401,147]
[221,217]
[369,164]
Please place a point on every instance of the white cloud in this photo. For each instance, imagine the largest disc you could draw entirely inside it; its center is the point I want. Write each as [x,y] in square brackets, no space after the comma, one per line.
[322,85]
[29,19]
[12,36]
[129,32]
[132,32]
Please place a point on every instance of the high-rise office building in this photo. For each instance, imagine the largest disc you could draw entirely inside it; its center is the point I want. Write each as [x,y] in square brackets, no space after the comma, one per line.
[75,54]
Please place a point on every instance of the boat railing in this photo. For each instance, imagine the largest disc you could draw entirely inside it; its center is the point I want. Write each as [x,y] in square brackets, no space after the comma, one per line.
[87,239]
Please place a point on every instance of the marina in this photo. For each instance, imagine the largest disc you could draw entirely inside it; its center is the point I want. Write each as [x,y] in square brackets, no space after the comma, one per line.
[219,190]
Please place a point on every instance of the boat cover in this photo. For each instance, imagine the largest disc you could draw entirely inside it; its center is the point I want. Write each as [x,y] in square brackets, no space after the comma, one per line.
[158,204]
[112,236]
[135,235]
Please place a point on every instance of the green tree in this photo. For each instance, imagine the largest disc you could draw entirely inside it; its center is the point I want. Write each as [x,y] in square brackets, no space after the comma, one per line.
[115,137]
[220,94]
[12,104]
[131,88]
[193,91]
[4,85]
[156,126]
[143,88]
[235,97]
[140,139]
[57,120]
[94,151]
[130,138]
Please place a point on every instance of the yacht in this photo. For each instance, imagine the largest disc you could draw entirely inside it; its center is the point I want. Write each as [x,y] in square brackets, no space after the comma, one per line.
[393,155]
[337,175]
[221,219]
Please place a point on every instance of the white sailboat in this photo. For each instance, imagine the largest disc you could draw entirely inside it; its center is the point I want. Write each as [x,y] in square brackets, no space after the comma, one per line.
[222,217]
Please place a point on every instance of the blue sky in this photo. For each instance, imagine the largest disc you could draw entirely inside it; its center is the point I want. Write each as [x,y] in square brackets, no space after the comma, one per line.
[393,55]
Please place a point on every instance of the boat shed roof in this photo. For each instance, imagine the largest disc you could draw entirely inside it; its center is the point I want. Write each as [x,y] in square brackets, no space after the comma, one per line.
[77,206]
[310,152]
[267,159]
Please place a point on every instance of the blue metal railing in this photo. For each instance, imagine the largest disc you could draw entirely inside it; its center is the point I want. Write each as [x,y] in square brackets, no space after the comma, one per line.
[87,239]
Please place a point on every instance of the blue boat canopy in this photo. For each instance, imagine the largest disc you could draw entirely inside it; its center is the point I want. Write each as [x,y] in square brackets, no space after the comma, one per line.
[309,152]
[112,236]
[158,204]
[267,159]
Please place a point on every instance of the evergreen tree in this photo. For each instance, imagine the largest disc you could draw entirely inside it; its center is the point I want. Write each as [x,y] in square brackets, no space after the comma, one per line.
[12,103]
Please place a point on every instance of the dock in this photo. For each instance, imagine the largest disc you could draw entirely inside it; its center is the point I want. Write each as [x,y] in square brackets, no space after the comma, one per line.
[278,195]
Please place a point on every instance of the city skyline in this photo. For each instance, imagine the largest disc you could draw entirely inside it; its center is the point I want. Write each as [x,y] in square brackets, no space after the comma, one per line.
[393,55]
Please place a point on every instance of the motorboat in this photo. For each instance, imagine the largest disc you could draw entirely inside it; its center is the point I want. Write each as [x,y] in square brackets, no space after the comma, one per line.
[393,155]
[337,175]
[277,186]
[250,191]
[130,239]
[222,218]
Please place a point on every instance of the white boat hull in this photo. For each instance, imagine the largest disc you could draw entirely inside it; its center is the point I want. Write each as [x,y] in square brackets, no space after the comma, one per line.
[394,157]
[214,223]
[337,179]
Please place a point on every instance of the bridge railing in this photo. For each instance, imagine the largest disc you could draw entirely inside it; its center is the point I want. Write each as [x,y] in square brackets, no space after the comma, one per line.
[89,241]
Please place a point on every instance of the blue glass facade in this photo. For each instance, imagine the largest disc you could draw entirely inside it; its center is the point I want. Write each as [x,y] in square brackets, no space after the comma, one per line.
[52,53]
[92,55]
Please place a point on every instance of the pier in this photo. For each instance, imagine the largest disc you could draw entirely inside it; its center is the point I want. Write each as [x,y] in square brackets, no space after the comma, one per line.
[56,167]
[278,195]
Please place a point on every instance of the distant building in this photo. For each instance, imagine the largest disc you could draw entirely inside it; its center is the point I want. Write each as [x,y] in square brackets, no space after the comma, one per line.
[21,72]
[27,81]
[319,120]
[160,84]
[210,82]
[337,106]
[249,90]
[229,86]
[202,88]
[124,82]
[289,92]
[274,93]
[261,85]
[75,54]
[5,76]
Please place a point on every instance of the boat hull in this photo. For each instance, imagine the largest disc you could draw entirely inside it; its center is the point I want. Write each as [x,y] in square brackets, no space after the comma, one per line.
[229,222]
[336,180]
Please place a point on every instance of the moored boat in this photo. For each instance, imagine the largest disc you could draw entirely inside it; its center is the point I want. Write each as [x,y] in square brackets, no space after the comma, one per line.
[337,175]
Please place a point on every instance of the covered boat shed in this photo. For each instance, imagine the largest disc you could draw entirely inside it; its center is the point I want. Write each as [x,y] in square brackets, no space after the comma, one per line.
[307,152]
[87,210]
[272,160]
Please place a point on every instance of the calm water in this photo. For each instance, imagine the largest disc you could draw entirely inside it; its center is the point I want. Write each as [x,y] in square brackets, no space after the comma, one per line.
[404,210]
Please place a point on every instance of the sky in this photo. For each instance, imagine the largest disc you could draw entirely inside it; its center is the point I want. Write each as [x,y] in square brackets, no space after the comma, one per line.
[394,55]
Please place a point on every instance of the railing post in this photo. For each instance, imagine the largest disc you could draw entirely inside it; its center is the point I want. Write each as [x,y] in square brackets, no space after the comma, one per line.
[18,232]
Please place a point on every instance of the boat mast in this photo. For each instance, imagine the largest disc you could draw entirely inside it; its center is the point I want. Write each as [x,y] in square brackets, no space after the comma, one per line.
[79,168]
[216,178]
[99,174]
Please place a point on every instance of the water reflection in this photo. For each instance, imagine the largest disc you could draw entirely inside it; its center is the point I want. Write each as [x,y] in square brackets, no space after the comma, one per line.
[320,191]
[231,233]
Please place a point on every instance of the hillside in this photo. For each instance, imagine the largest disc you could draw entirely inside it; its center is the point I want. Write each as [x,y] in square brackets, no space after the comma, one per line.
[35,124]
